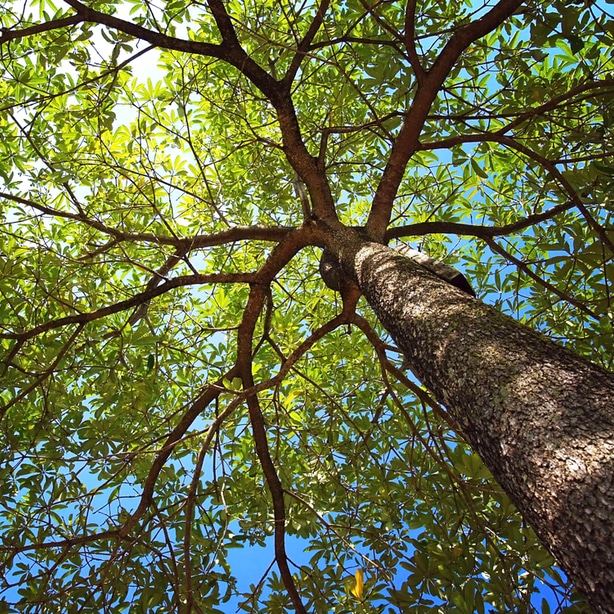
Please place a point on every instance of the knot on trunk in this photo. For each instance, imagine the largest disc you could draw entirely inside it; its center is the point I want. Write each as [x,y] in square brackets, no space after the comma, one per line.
[331,271]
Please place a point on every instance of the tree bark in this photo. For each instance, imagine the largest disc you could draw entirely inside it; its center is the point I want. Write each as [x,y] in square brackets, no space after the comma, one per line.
[541,418]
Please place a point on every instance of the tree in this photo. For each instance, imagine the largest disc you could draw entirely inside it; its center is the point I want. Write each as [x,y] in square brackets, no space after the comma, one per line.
[207,344]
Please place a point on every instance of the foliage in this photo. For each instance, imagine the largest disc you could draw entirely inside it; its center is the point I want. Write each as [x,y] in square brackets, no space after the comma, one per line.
[151,214]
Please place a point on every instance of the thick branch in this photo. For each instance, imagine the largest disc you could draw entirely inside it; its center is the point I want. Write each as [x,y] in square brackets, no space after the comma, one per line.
[407,142]
[223,22]
[278,94]
[258,294]
[8,35]
[231,52]
[471,230]
[244,361]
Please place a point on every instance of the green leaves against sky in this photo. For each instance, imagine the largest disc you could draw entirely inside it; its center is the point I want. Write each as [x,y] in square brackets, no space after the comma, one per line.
[143,189]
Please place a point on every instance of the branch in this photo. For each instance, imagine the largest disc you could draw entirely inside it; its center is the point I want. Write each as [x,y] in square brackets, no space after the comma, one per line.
[483,232]
[211,393]
[304,45]
[177,282]
[542,282]
[410,40]
[223,22]
[380,349]
[255,303]
[8,35]
[554,102]
[238,233]
[155,280]
[468,34]
[62,543]
[231,52]
[407,142]
[547,164]
[84,13]
[244,351]
[370,10]
[252,311]
[518,118]
[357,40]
[191,497]
[286,249]
[44,375]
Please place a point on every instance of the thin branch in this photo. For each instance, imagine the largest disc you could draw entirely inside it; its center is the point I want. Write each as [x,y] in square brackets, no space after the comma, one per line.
[177,282]
[304,45]
[357,40]
[410,40]
[338,535]
[155,281]
[105,73]
[213,429]
[518,118]
[85,13]
[211,392]
[61,543]
[542,282]
[238,233]
[533,155]
[380,348]
[45,374]
[557,100]
[370,10]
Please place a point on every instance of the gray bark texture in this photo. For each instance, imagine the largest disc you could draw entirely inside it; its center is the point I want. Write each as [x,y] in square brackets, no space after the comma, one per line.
[541,418]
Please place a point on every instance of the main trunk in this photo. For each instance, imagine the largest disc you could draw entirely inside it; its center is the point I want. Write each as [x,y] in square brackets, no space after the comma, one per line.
[541,418]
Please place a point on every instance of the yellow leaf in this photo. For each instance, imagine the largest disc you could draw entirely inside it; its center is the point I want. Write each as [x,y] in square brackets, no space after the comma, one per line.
[359,584]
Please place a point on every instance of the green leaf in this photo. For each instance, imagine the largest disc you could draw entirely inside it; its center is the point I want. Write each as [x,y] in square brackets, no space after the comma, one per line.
[478,170]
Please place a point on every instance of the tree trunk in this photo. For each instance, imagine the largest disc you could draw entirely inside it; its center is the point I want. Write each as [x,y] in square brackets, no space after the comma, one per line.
[541,418]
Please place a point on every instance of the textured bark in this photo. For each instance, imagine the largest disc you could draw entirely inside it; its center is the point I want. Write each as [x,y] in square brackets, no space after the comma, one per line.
[541,418]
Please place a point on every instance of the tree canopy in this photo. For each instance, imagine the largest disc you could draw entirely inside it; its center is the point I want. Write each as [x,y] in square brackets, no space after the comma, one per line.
[179,384]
